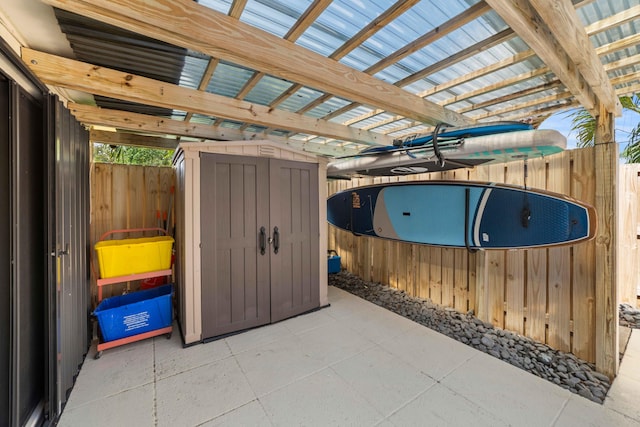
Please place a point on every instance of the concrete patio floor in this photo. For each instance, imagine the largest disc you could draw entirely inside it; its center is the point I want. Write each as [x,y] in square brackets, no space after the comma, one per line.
[350,364]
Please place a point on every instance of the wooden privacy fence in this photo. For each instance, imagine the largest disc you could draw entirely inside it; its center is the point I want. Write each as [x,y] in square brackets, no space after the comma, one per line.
[125,197]
[629,220]
[546,294]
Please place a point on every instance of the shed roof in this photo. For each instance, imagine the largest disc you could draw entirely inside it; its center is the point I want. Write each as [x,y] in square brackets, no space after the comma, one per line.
[331,76]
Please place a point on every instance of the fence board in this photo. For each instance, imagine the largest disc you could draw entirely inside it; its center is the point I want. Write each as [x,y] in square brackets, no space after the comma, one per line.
[435,274]
[496,267]
[583,184]
[119,212]
[481,293]
[136,199]
[119,199]
[100,201]
[461,264]
[628,233]
[422,279]
[536,284]
[152,202]
[515,274]
[448,263]
[559,268]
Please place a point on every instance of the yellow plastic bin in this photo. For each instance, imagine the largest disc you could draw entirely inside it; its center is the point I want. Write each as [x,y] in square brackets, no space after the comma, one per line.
[133,256]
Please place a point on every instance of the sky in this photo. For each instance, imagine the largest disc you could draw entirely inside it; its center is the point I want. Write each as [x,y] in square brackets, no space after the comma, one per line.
[562,123]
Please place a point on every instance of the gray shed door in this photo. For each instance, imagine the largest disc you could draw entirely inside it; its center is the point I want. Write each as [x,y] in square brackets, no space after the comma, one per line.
[295,281]
[234,204]
[241,286]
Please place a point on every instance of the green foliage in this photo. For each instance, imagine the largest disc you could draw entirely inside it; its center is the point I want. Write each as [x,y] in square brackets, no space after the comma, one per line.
[585,125]
[131,155]
[632,151]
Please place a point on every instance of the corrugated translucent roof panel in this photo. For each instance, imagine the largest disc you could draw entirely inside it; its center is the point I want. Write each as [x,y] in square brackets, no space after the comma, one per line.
[231,124]
[202,119]
[267,90]
[599,9]
[352,114]
[228,79]
[327,107]
[371,121]
[337,24]
[391,127]
[222,6]
[273,16]
[415,130]
[193,71]
[299,99]
[595,11]
[255,128]
[421,19]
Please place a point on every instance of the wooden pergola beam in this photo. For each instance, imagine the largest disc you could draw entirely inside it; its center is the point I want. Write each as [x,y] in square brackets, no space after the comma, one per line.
[527,23]
[237,8]
[132,139]
[193,26]
[76,75]
[561,17]
[134,123]
[309,16]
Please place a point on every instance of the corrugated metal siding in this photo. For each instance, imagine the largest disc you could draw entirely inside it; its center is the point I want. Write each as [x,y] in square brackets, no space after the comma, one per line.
[102,44]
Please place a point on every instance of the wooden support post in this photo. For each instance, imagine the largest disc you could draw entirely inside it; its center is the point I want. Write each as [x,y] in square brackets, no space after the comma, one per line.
[606,163]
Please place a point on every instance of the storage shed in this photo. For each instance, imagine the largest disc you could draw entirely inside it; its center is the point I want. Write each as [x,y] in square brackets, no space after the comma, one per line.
[251,238]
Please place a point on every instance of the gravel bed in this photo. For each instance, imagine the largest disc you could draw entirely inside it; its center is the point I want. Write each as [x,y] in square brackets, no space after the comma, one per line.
[629,316]
[563,369]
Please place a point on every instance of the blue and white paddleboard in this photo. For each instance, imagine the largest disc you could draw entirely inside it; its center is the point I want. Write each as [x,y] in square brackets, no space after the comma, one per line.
[458,151]
[451,134]
[462,214]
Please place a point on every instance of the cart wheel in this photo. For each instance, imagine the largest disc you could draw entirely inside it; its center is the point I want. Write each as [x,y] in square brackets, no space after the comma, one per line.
[98,355]
[168,336]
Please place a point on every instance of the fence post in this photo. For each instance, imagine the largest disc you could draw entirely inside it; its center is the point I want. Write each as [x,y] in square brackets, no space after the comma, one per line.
[606,157]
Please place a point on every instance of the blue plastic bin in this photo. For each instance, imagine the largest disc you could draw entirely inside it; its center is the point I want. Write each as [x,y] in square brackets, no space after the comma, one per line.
[135,313]
[334,262]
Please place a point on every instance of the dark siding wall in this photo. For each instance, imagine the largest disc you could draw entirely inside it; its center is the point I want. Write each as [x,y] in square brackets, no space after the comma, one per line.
[44,210]
[5,255]
[30,248]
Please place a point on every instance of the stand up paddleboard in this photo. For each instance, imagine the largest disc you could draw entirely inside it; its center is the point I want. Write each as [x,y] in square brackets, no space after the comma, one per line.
[451,149]
[461,214]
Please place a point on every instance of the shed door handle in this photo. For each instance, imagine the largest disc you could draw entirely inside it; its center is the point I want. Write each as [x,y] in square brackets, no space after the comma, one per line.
[276,240]
[263,240]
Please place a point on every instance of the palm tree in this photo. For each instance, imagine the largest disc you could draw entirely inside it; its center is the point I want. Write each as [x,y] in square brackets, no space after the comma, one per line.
[585,125]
